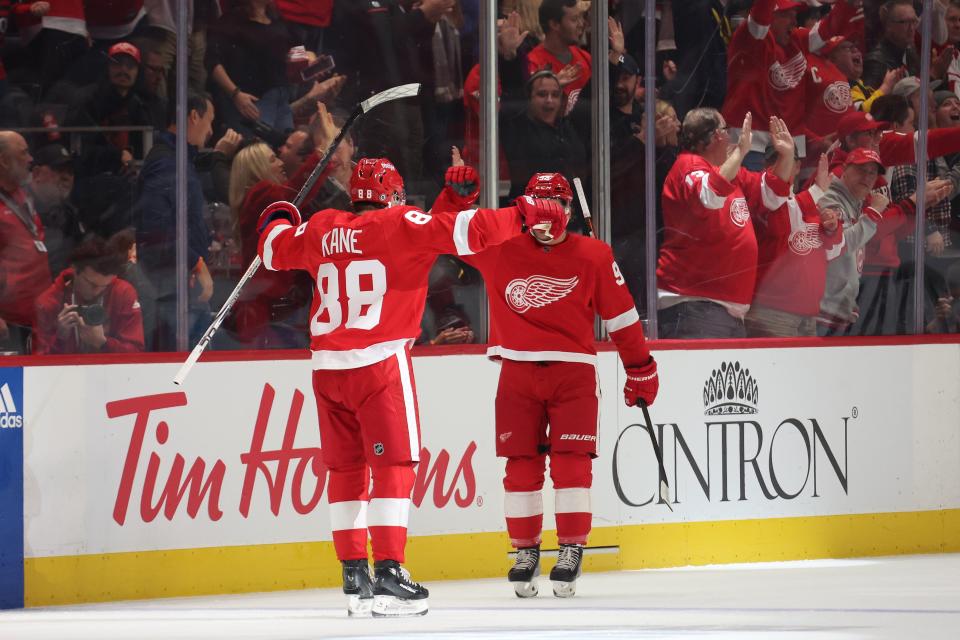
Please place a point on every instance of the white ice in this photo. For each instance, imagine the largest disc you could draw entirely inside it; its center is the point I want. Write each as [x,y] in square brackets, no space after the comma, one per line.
[902,597]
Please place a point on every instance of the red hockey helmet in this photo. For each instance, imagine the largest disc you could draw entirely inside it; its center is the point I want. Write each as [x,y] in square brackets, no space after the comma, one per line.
[377,180]
[549,185]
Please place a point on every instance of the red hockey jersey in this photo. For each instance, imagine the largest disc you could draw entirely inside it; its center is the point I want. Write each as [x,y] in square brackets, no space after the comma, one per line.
[709,247]
[371,272]
[543,300]
[828,96]
[767,79]
[63,15]
[793,253]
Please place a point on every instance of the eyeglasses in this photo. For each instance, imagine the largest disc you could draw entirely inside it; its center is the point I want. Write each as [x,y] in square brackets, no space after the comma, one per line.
[910,21]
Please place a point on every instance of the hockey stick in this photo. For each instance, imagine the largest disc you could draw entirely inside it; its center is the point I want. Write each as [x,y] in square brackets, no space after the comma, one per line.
[583,206]
[664,486]
[657,451]
[396,93]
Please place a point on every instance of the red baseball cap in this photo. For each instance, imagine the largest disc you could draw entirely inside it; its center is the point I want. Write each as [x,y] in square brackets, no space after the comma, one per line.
[831,44]
[863,156]
[786,5]
[856,122]
[124,49]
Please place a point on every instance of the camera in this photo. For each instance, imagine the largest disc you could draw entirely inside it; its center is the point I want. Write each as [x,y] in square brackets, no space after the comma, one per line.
[92,314]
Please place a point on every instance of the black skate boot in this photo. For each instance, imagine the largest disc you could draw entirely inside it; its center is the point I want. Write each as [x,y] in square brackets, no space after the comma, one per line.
[524,573]
[394,593]
[568,568]
[358,586]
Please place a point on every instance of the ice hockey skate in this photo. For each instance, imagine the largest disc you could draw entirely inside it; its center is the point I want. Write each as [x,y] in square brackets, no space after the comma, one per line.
[524,572]
[358,588]
[394,593]
[568,568]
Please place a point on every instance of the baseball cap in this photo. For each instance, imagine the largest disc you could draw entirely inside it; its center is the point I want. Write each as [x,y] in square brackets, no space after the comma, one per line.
[124,49]
[906,87]
[786,5]
[939,97]
[863,156]
[831,44]
[629,65]
[52,155]
[857,122]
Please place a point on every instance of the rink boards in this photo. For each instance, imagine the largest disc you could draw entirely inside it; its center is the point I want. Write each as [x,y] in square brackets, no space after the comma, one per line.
[135,488]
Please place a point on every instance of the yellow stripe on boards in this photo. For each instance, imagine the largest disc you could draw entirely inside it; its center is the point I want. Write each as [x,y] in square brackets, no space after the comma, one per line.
[191,572]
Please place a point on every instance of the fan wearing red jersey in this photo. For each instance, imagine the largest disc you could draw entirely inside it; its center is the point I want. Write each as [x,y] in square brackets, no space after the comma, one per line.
[371,274]
[544,294]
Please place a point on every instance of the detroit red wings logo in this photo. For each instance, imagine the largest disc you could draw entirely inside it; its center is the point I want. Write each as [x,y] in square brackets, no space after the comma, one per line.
[739,212]
[789,74]
[836,97]
[805,239]
[537,291]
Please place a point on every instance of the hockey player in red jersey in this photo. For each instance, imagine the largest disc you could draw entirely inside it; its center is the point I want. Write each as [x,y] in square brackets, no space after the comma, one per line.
[371,282]
[544,294]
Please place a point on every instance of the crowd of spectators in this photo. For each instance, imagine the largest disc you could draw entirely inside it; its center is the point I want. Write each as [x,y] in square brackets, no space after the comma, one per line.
[785,156]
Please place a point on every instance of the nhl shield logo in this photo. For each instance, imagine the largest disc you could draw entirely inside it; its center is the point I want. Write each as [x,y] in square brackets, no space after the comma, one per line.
[378,448]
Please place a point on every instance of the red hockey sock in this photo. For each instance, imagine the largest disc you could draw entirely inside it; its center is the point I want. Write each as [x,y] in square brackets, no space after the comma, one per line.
[523,500]
[389,508]
[347,494]
[572,475]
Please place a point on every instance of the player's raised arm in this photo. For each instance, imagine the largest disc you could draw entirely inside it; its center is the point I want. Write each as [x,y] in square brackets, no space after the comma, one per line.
[465,233]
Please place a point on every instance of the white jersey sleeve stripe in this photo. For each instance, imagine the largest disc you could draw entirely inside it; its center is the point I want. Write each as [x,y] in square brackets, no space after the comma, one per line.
[771,200]
[388,512]
[623,320]
[709,197]
[522,504]
[351,514]
[461,232]
[814,40]
[268,245]
[758,31]
[574,500]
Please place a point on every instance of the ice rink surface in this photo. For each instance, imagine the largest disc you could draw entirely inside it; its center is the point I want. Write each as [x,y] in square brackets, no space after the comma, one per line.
[901,597]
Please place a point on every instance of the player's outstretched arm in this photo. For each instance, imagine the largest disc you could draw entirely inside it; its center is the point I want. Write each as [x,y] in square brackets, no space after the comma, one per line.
[465,233]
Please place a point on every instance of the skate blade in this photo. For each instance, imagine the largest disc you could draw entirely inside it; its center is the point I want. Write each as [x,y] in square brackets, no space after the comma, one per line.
[564,589]
[526,589]
[394,607]
[358,607]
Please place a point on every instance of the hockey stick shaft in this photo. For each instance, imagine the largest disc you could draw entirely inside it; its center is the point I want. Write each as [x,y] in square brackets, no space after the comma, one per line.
[587,218]
[402,91]
[658,452]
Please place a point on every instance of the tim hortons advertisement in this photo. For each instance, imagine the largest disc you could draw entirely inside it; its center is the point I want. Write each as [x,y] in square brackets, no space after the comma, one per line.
[116,458]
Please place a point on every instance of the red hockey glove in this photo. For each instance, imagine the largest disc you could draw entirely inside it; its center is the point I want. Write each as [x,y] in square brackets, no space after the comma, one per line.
[543,214]
[464,181]
[642,384]
[280,210]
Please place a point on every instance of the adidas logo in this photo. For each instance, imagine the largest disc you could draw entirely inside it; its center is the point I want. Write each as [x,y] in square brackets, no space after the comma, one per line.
[10,418]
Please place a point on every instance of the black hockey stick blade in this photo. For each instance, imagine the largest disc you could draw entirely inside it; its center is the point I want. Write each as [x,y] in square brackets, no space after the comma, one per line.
[664,485]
